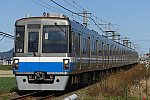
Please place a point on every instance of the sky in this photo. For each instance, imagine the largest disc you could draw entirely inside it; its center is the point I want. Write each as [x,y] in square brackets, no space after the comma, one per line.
[132,17]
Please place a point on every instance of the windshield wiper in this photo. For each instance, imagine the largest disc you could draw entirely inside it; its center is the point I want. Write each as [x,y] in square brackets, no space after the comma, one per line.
[59,28]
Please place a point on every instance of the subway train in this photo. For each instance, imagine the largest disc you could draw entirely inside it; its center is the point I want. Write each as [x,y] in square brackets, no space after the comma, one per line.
[55,53]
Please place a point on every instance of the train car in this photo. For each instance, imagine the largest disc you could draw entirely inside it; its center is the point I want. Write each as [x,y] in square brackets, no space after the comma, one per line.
[53,52]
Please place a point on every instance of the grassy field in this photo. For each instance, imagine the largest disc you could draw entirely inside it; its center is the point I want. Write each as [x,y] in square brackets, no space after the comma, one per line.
[5,67]
[132,84]
[7,84]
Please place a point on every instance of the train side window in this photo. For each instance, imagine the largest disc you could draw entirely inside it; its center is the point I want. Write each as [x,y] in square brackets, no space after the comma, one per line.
[111,52]
[77,44]
[105,50]
[73,42]
[100,49]
[108,52]
[115,53]
[84,43]
[97,48]
[88,46]
[93,47]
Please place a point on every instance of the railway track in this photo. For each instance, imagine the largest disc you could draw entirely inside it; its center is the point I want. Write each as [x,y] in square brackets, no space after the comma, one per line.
[26,96]
[46,97]
[38,95]
[41,95]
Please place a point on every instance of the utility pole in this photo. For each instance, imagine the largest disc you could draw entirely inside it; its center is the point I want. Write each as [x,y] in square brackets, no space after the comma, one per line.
[114,36]
[85,17]
[85,21]
[126,41]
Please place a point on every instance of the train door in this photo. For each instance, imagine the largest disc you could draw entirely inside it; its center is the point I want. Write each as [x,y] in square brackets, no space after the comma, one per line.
[32,58]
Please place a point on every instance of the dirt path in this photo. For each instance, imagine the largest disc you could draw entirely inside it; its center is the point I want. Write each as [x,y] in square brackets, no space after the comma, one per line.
[6,73]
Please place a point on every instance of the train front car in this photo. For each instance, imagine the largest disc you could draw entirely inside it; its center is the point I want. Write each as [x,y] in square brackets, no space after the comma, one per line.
[41,59]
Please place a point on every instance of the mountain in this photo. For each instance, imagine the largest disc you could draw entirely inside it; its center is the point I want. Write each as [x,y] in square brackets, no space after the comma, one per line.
[8,55]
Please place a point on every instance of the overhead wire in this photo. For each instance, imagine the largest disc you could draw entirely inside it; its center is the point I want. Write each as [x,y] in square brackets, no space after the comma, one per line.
[72,6]
[6,35]
[102,21]
[54,7]
[2,38]
[49,7]
[42,5]
[77,14]
[66,8]
[91,14]
[77,4]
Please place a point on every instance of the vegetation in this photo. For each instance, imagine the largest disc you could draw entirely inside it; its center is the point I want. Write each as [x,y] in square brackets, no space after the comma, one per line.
[5,67]
[132,84]
[7,84]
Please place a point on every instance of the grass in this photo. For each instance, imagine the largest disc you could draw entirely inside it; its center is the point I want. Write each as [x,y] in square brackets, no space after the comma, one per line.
[5,67]
[120,98]
[7,84]
[121,85]
[5,97]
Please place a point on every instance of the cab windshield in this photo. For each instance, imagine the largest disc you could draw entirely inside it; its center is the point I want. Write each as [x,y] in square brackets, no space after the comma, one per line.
[19,39]
[55,39]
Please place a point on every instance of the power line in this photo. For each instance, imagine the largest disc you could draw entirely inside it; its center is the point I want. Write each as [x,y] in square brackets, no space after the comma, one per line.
[2,38]
[95,17]
[49,8]
[77,14]
[96,24]
[91,15]
[53,7]
[142,40]
[62,7]
[65,8]
[42,5]
[6,35]
[69,11]
[77,4]
[73,6]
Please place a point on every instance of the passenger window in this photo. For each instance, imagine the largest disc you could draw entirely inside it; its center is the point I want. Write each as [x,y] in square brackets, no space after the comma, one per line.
[84,43]
[77,44]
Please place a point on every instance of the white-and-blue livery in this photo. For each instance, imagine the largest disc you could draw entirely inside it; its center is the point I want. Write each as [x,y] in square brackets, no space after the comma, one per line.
[53,52]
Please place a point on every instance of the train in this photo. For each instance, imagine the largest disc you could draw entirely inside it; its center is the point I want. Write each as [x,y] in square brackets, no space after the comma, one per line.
[53,52]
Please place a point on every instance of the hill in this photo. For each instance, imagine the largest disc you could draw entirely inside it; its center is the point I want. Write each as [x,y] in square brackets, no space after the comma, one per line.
[8,55]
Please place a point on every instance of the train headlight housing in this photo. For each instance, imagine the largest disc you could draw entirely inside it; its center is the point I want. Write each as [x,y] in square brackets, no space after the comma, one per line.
[66,64]
[15,64]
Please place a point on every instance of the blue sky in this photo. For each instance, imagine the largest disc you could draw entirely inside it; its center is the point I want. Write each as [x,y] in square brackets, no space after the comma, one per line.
[132,16]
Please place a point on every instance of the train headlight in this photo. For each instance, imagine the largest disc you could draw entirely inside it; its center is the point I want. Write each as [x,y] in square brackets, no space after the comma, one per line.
[15,64]
[66,64]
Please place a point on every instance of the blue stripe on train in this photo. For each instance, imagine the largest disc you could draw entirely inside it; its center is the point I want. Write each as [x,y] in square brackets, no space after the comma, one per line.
[43,66]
